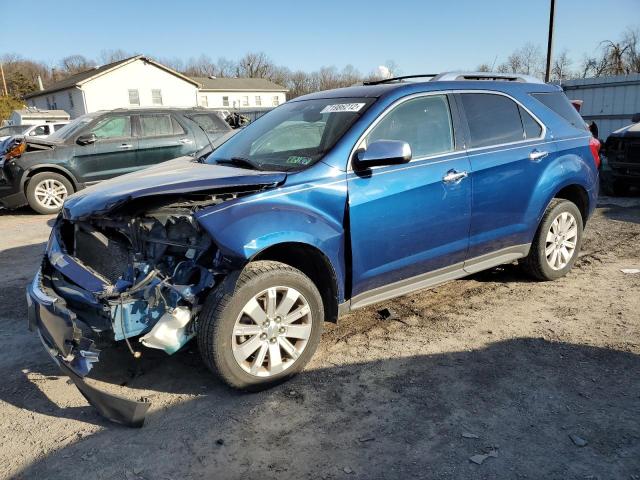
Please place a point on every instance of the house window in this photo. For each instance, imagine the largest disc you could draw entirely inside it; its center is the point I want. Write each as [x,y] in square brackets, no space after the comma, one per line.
[225,101]
[258,101]
[156,96]
[54,105]
[204,101]
[134,97]
[70,100]
[245,101]
[276,101]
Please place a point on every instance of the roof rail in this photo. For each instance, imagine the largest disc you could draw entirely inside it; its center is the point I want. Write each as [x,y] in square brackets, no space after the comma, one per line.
[398,79]
[486,76]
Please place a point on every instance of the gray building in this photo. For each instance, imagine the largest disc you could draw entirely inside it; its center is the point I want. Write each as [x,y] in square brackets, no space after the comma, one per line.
[609,101]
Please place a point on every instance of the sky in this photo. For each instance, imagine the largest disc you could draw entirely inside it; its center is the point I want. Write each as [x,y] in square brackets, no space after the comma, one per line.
[420,36]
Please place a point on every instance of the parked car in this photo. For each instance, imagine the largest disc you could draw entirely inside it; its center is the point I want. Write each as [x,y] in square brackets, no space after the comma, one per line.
[42,130]
[621,162]
[98,146]
[398,185]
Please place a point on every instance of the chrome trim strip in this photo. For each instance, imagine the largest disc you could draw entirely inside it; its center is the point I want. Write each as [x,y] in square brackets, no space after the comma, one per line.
[440,276]
[542,135]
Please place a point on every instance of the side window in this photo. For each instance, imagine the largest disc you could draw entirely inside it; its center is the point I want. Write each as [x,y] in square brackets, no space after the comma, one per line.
[560,104]
[424,123]
[113,127]
[159,125]
[40,130]
[532,129]
[493,119]
[210,122]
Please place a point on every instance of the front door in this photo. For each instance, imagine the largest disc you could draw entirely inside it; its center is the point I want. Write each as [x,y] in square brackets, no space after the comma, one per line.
[411,219]
[162,138]
[112,154]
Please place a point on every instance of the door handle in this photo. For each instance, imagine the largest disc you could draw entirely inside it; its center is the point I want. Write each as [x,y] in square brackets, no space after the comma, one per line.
[453,176]
[186,140]
[536,155]
[125,145]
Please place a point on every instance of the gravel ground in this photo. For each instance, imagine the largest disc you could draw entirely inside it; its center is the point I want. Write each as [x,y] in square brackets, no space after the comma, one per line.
[532,380]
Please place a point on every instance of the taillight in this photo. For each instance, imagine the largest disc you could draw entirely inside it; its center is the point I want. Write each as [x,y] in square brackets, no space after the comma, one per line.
[594,146]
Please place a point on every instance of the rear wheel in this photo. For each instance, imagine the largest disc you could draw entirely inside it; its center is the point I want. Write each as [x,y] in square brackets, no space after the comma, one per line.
[557,242]
[264,331]
[47,191]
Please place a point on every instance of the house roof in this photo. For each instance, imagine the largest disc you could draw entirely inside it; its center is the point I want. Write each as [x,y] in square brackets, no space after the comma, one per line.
[238,84]
[83,77]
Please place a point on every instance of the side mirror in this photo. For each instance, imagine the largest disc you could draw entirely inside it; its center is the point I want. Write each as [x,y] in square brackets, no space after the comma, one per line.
[383,152]
[635,118]
[86,139]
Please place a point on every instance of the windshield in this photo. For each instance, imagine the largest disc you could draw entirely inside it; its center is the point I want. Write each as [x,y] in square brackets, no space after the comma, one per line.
[70,129]
[293,136]
[13,130]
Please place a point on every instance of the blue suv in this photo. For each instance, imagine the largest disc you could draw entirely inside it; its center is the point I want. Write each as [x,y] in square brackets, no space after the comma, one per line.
[331,202]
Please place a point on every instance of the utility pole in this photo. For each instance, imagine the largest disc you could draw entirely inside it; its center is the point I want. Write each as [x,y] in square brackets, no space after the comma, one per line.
[552,12]
[4,82]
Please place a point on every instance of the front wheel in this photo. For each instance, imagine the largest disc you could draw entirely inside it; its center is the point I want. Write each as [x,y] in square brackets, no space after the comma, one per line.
[557,242]
[264,330]
[47,191]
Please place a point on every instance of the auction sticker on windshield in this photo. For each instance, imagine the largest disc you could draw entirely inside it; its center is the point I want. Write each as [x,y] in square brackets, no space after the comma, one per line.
[342,107]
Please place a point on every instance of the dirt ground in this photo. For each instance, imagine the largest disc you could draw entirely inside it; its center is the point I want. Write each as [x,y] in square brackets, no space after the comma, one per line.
[494,364]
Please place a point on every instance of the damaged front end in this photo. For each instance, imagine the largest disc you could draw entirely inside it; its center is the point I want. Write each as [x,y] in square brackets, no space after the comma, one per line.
[138,274]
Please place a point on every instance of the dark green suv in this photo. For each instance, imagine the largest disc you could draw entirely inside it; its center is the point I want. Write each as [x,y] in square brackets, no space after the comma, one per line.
[98,146]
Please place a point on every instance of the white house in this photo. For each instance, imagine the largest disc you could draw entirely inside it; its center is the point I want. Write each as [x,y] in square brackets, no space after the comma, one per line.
[134,82]
[239,93]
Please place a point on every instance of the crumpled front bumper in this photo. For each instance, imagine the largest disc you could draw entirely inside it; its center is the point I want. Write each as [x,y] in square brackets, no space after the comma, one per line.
[63,338]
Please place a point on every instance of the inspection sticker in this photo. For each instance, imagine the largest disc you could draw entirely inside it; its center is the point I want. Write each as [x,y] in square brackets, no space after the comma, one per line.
[342,107]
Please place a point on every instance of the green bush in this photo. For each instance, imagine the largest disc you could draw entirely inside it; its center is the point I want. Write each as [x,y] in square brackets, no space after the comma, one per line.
[8,105]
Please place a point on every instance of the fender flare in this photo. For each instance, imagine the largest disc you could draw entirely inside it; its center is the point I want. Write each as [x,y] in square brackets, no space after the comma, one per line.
[48,167]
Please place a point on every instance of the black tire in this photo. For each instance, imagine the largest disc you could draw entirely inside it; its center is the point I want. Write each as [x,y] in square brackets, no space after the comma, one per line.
[35,181]
[217,320]
[536,262]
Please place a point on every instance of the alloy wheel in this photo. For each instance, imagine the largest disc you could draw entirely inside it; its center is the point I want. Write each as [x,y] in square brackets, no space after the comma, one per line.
[271,331]
[561,241]
[50,193]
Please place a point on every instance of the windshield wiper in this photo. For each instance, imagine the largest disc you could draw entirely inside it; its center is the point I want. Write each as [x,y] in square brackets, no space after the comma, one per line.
[239,162]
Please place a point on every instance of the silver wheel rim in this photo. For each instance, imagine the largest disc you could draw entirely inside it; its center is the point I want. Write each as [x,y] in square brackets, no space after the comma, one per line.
[50,193]
[272,331]
[561,241]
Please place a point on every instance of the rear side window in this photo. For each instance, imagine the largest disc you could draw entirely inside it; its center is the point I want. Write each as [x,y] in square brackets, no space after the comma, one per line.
[211,122]
[560,104]
[159,125]
[493,119]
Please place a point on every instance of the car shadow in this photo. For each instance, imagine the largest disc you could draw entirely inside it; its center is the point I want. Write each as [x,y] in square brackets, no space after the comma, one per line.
[409,417]
[622,209]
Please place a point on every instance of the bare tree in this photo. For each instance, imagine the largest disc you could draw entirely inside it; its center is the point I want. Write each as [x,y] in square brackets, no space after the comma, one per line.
[75,64]
[561,68]
[254,65]
[115,55]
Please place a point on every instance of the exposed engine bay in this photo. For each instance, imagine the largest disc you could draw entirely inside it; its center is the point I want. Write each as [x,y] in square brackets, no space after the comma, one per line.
[142,275]
[155,263]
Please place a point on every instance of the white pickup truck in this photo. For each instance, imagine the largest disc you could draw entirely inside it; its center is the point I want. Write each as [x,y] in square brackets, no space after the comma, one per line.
[41,130]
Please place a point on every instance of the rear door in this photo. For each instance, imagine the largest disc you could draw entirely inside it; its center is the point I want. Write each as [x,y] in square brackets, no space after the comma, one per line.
[508,154]
[112,154]
[162,138]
